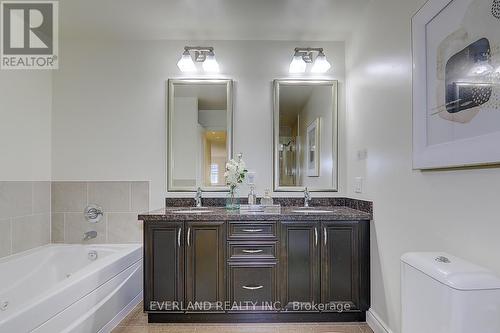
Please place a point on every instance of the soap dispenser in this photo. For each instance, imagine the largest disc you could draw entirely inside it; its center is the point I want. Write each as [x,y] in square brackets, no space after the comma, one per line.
[252,197]
[267,200]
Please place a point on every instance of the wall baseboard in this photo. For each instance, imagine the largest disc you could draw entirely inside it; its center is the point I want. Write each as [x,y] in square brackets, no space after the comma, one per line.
[376,324]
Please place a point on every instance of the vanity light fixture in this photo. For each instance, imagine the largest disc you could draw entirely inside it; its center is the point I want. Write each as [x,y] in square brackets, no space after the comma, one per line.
[186,63]
[298,65]
[321,65]
[304,56]
[203,54]
[210,65]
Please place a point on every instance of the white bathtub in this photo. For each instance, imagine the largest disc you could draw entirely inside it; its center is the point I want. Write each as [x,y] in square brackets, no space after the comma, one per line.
[57,288]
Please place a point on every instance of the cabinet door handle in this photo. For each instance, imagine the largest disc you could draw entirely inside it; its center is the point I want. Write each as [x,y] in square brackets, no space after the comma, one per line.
[189,236]
[325,235]
[252,287]
[315,236]
[179,237]
[252,230]
[251,251]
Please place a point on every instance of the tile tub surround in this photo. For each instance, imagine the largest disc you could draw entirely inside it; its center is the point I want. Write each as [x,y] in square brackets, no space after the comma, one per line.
[24,215]
[361,205]
[121,202]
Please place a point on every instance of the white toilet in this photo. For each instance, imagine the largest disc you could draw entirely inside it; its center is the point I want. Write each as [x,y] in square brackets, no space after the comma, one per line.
[441,293]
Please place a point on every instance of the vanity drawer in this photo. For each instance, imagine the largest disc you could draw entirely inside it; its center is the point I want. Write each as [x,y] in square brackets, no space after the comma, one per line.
[253,282]
[251,250]
[252,230]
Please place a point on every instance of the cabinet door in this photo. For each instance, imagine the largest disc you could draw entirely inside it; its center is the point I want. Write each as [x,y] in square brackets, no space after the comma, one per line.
[340,273]
[252,286]
[205,260]
[299,264]
[164,266]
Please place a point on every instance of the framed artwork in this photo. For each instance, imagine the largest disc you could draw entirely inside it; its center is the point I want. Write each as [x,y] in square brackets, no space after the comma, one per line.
[312,144]
[456,84]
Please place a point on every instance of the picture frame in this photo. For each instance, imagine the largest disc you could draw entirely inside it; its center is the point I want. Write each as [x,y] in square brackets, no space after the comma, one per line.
[456,84]
[313,148]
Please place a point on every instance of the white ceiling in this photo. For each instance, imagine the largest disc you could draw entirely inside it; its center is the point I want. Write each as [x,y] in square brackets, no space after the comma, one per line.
[317,20]
[210,97]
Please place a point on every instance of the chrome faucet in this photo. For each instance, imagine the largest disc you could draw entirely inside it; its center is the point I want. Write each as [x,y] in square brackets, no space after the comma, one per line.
[197,198]
[307,197]
[89,235]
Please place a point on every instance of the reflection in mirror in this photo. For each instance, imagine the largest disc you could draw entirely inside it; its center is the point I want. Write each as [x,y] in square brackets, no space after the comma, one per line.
[199,121]
[305,134]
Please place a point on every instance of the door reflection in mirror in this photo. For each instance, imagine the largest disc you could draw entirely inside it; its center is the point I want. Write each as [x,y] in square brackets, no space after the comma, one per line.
[200,120]
[305,116]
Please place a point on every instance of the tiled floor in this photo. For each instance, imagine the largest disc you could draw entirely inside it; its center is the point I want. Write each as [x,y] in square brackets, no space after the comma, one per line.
[137,322]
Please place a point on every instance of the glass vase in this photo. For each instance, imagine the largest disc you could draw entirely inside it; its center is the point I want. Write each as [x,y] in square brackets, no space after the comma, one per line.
[233,199]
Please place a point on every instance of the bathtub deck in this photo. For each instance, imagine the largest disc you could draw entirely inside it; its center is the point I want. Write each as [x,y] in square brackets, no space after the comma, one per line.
[137,322]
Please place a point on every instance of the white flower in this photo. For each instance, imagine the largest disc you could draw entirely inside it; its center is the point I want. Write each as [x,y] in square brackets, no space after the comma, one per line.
[235,172]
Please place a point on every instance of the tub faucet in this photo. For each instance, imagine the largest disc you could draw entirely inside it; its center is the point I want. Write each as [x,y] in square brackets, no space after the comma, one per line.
[307,197]
[89,235]
[197,197]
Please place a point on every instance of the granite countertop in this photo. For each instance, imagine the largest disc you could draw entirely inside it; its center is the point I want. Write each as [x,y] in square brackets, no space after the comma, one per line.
[340,213]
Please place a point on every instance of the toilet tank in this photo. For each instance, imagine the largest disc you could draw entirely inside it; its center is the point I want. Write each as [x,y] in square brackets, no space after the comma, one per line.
[441,293]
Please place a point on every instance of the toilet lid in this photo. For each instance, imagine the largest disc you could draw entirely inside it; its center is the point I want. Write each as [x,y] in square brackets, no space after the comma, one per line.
[452,271]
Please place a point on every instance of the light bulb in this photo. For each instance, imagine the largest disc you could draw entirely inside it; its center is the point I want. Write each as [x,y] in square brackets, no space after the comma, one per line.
[321,65]
[186,63]
[481,68]
[298,65]
[210,65]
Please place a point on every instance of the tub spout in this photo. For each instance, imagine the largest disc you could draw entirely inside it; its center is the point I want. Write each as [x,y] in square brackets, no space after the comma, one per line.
[89,235]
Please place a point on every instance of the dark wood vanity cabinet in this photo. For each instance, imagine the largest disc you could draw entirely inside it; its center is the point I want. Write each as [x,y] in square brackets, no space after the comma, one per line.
[299,270]
[269,263]
[205,261]
[184,263]
[327,263]
[163,265]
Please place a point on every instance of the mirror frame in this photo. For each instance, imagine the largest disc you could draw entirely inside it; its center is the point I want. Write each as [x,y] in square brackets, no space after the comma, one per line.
[276,124]
[171,83]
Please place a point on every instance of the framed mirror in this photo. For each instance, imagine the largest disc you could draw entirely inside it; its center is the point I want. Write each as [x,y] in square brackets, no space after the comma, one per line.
[199,127]
[305,135]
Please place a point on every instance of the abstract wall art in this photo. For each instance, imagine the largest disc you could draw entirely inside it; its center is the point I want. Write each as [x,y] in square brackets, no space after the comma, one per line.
[456,84]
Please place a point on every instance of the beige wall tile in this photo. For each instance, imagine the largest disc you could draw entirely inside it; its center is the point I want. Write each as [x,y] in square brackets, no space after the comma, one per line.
[124,228]
[140,196]
[5,249]
[41,197]
[75,225]
[57,229]
[69,196]
[16,199]
[111,196]
[30,231]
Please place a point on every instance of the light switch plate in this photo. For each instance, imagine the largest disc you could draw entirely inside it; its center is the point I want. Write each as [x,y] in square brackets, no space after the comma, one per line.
[358,184]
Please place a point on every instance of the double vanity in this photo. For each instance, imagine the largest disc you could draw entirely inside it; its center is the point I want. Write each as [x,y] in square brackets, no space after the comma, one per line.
[286,262]
[209,264]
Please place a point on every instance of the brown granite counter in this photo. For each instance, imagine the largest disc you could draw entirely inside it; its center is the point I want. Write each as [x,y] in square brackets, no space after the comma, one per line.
[336,213]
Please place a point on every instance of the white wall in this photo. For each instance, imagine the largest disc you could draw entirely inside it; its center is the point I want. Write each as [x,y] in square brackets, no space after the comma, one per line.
[109,106]
[25,107]
[453,211]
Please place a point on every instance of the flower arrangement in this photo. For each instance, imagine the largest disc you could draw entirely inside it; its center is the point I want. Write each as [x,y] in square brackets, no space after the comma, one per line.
[235,174]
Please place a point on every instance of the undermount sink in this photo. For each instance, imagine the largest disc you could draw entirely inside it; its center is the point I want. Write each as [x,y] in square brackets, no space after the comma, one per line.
[314,211]
[191,211]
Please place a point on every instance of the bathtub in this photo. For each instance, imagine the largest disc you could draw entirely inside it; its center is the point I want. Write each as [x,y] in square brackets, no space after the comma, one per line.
[69,288]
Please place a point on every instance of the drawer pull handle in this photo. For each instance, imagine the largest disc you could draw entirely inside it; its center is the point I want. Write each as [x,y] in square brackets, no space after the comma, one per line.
[251,251]
[252,230]
[252,288]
